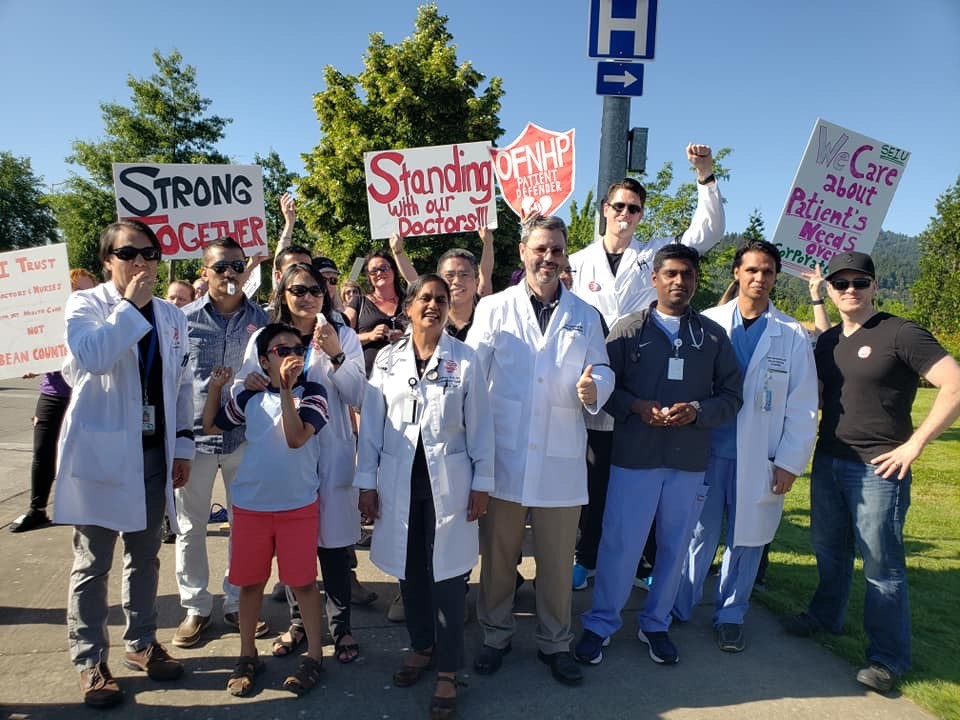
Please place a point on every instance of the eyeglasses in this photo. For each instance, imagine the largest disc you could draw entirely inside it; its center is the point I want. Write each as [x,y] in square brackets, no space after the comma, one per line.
[350,292]
[221,266]
[620,207]
[301,290]
[129,252]
[457,275]
[858,284]
[332,279]
[543,251]
[283,351]
[379,269]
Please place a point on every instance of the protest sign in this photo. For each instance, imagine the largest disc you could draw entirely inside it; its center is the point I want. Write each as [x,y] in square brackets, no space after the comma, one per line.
[536,171]
[190,205]
[430,190]
[34,285]
[839,197]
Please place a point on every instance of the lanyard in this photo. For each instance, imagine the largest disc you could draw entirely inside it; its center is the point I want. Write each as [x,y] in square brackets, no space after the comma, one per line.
[145,366]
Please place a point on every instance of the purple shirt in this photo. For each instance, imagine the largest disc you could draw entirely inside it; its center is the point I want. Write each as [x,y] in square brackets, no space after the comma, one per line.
[54,384]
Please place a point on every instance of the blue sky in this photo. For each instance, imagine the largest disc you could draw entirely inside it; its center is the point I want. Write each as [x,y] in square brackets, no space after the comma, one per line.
[753,76]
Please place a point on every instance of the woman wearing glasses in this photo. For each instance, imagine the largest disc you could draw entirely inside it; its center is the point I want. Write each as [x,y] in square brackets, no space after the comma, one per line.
[425,466]
[335,360]
[378,316]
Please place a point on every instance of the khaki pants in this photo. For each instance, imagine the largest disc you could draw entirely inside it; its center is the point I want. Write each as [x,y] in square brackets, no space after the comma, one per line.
[554,540]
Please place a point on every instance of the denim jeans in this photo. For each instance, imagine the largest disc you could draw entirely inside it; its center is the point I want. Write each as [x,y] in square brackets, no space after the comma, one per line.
[852,508]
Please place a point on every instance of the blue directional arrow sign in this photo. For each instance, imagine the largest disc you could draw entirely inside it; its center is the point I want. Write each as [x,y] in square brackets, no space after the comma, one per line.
[615,78]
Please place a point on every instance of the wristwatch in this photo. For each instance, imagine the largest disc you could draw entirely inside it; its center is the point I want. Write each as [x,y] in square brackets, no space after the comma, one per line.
[338,359]
[695,404]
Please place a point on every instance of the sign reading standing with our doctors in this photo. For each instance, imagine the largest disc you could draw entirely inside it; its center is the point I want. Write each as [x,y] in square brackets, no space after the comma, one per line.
[190,205]
[839,197]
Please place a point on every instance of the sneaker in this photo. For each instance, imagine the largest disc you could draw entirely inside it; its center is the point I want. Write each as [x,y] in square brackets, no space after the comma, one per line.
[589,649]
[396,613]
[801,625]
[155,661]
[359,595]
[730,637]
[188,632]
[233,620]
[581,574]
[662,650]
[877,677]
[99,688]
[30,521]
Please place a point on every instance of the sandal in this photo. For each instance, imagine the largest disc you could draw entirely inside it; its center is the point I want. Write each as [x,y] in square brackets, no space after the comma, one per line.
[306,676]
[346,652]
[443,708]
[241,679]
[407,675]
[282,648]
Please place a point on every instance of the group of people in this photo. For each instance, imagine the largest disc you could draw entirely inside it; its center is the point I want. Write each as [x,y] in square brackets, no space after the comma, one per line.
[600,409]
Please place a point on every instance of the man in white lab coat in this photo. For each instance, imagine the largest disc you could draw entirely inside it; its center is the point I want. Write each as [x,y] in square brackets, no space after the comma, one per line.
[126,443]
[542,351]
[754,459]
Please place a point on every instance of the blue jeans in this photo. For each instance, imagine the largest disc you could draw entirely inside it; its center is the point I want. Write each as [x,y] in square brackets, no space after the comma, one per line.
[852,508]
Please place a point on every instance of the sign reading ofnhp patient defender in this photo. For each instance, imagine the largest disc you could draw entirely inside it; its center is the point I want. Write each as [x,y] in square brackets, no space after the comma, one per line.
[34,285]
[435,190]
[839,197]
[190,205]
[536,171]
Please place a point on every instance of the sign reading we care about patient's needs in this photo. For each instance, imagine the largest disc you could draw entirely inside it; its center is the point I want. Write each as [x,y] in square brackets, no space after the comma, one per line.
[839,197]
[435,190]
[34,285]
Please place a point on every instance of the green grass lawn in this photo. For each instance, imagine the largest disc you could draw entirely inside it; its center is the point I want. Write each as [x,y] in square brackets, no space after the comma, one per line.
[933,563]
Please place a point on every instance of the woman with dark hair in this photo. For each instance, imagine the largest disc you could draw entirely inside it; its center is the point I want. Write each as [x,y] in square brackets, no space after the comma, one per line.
[378,316]
[425,466]
[334,359]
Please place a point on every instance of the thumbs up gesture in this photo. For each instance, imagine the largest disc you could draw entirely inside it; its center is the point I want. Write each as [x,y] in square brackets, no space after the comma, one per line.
[586,387]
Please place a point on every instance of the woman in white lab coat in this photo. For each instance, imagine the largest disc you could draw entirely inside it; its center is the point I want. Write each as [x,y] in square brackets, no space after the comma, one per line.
[425,467]
[334,359]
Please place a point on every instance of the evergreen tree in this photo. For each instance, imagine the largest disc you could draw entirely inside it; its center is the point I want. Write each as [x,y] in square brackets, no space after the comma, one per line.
[25,216]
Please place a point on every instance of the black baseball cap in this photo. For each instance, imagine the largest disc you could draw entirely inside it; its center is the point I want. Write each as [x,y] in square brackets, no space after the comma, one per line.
[324,263]
[856,261]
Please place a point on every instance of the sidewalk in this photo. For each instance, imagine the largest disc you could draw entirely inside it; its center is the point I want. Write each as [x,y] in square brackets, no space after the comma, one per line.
[777,677]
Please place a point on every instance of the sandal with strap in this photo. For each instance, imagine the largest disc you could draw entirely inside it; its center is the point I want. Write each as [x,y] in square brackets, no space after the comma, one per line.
[306,676]
[241,679]
[407,675]
[443,708]
[298,636]
[346,653]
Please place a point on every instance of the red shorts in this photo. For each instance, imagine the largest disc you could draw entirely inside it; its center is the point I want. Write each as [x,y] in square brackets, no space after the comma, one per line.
[256,536]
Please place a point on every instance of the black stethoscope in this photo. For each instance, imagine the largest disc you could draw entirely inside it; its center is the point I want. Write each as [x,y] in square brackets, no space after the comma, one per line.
[677,343]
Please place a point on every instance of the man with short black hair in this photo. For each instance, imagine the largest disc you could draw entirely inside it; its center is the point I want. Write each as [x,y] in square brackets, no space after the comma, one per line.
[869,368]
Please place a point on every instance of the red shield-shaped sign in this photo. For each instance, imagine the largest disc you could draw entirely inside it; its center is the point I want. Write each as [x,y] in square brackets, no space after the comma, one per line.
[536,171]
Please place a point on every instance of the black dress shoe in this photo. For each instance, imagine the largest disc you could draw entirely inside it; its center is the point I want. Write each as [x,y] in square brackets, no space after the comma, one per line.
[563,667]
[489,659]
[30,521]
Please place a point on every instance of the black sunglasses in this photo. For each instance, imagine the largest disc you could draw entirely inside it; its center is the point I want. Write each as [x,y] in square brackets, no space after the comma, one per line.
[129,252]
[221,266]
[620,207]
[283,351]
[301,290]
[858,284]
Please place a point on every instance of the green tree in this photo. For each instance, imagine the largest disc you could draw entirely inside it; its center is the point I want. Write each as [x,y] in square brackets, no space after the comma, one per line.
[166,123]
[581,229]
[411,94]
[25,216]
[936,294]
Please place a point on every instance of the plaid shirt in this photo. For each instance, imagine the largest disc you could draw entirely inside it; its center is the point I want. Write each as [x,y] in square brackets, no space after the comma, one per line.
[215,340]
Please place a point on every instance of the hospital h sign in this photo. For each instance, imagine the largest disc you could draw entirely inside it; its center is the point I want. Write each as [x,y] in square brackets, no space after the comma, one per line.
[622,29]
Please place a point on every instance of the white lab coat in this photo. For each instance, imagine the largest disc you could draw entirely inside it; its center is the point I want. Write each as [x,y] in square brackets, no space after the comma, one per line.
[453,418]
[540,434]
[100,467]
[631,290]
[339,515]
[782,437]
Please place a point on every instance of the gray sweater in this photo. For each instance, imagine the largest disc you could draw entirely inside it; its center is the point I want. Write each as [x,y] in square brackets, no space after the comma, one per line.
[639,353]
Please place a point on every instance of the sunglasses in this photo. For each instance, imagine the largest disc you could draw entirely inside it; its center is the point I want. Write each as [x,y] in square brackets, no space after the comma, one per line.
[129,252]
[331,279]
[379,269]
[620,207]
[283,351]
[350,292]
[301,290]
[858,284]
[221,266]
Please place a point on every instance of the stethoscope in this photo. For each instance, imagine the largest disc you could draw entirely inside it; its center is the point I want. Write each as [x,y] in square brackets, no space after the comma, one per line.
[677,342]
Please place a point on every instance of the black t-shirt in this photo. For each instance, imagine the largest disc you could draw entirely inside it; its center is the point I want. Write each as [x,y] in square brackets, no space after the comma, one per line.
[368,317]
[614,260]
[870,380]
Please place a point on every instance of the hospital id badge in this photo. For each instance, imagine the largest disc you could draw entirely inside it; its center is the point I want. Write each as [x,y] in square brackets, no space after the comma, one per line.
[149,419]
[409,411]
[675,369]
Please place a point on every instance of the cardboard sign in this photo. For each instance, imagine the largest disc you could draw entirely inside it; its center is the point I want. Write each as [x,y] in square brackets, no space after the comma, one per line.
[839,197]
[190,205]
[435,190]
[34,285]
[536,171]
